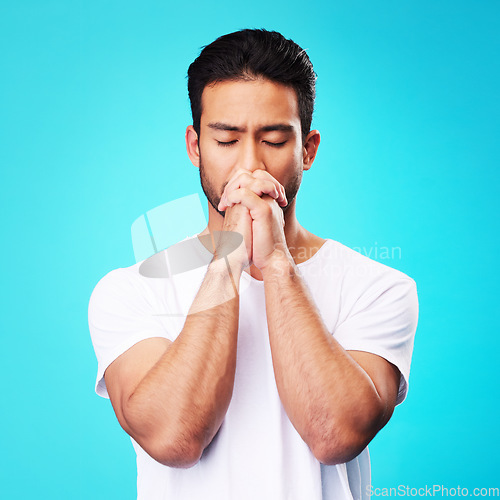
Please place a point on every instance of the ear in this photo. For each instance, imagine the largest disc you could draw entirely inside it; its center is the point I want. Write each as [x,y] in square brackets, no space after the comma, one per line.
[192,146]
[310,149]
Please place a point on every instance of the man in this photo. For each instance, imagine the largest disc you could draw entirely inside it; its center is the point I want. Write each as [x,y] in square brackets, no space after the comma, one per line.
[295,349]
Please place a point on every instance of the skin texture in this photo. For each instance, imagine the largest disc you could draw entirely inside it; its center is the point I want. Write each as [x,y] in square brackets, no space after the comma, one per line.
[172,397]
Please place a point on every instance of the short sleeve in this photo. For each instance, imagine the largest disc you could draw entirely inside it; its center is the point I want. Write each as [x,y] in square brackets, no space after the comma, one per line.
[384,323]
[120,315]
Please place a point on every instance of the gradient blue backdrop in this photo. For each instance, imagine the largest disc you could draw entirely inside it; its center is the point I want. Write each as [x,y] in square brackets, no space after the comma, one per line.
[93,112]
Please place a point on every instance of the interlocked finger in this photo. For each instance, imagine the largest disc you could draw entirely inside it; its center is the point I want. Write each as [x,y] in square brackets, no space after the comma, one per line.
[256,183]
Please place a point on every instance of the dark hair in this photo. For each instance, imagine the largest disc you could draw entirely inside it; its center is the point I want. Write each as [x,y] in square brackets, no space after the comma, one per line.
[249,54]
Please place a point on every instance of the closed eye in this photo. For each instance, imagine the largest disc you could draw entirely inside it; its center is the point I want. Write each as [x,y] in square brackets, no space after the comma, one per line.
[226,144]
[275,144]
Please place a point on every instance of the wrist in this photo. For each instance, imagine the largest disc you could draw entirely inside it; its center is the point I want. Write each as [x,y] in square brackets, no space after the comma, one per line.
[230,252]
[279,265]
[227,268]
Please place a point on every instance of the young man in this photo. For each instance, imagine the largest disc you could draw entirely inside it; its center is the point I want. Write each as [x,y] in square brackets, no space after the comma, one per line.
[295,349]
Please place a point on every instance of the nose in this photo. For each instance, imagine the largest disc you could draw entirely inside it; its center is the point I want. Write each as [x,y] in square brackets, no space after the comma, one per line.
[250,157]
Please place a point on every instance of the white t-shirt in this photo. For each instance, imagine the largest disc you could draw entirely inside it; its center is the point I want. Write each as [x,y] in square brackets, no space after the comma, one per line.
[257,452]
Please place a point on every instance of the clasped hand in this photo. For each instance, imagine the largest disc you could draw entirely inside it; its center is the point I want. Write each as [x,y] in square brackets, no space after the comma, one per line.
[252,202]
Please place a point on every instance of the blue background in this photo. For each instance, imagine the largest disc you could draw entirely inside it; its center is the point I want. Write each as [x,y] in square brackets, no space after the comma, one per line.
[93,111]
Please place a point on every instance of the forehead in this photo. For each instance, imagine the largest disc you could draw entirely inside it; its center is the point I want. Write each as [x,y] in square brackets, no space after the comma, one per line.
[247,102]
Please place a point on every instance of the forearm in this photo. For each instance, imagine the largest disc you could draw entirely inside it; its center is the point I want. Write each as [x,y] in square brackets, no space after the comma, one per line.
[177,408]
[328,397]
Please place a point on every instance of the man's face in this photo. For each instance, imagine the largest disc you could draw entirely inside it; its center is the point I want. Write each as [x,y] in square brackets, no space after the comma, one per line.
[249,125]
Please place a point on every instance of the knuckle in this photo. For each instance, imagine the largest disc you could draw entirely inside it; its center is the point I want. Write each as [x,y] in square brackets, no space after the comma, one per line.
[260,185]
[244,174]
[267,209]
[242,180]
[261,174]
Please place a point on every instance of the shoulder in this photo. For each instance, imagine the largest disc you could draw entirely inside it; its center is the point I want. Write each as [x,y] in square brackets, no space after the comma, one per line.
[122,291]
[341,275]
[159,284]
[118,280]
[358,270]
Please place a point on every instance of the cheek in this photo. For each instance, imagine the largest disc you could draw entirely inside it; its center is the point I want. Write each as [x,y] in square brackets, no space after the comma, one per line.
[219,173]
[217,163]
[287,164]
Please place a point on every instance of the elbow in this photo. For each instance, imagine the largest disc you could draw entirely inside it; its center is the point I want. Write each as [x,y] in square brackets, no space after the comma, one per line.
[178,453]
[346,440]
[338,451]
[168,444]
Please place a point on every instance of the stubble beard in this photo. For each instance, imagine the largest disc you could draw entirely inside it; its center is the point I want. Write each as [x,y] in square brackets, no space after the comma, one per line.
[209,189]
[291,189]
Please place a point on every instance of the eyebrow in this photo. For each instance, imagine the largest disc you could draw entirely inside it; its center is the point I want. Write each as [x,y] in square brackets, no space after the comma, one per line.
[280,127]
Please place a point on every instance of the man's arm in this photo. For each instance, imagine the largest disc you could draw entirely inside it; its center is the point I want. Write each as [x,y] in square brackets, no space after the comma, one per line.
[337,400]
[171,397]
